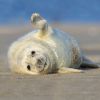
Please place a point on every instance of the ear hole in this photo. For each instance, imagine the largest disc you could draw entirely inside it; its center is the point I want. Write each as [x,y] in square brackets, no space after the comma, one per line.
[28,67]
[33,52]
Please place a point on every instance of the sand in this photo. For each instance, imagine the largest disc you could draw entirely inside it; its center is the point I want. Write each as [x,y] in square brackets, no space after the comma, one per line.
[80,86]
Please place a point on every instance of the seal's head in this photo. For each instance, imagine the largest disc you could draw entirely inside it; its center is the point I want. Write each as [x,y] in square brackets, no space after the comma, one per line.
[34,61]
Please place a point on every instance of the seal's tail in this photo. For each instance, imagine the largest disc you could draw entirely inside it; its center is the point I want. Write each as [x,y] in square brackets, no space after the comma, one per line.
[88,64]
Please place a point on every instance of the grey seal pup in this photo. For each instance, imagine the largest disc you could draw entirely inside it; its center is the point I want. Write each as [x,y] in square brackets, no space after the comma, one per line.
[46,50]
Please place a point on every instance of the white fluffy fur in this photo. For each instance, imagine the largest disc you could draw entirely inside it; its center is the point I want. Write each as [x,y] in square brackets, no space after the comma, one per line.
[61,50]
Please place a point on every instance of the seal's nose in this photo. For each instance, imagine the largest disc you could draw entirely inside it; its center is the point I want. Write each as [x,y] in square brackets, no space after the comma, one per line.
[40,64]
[39,61]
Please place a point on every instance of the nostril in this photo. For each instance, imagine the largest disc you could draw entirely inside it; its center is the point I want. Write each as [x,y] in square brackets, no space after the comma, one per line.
[45,64]
[39,66]
[28,67]
[39,61]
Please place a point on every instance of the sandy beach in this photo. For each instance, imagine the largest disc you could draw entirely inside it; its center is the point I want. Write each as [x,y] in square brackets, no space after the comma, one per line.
[80,86]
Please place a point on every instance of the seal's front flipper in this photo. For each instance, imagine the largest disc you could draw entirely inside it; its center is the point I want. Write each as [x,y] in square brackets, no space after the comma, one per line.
[41,24]
[88,64]
[38,21]
[65,70]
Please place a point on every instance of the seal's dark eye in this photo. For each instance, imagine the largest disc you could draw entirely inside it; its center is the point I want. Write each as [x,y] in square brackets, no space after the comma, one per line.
[28,67]
[33,52]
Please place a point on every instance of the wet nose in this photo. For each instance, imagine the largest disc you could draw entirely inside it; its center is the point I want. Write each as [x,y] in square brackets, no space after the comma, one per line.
[39,61]
[40,64]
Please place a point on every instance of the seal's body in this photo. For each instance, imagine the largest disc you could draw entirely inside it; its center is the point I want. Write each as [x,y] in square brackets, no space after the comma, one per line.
[44,51]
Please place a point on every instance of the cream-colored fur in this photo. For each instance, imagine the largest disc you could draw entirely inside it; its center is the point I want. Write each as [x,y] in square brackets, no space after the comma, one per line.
[56,51]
